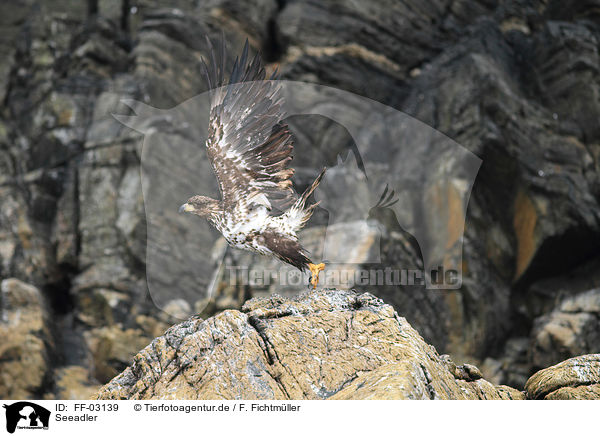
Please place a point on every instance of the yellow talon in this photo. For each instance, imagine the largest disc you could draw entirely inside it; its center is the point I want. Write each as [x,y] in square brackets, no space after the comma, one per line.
[315,270]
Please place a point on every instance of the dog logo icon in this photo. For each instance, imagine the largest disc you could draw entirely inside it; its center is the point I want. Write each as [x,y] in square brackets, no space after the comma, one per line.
[26,415]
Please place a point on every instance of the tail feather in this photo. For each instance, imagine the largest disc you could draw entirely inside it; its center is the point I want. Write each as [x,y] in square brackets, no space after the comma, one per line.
[299,214]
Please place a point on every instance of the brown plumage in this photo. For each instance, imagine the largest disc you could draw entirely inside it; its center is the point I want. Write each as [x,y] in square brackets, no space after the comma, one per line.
[250,147]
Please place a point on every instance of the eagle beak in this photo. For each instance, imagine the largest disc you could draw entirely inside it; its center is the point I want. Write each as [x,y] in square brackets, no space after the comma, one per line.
[186,208]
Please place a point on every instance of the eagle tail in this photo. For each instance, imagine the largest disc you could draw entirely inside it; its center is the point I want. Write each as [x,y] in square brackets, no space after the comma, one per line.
[299,214]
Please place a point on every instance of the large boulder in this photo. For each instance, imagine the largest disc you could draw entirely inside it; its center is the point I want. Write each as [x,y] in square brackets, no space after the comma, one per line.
[326,344]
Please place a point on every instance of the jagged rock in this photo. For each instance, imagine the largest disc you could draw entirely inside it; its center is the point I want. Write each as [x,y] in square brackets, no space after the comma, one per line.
[326,344]
[575,378]
[573,328]
[26,346]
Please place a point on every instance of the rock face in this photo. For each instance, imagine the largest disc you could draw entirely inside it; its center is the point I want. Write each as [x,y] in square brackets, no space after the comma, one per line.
[321,345]
[515,82]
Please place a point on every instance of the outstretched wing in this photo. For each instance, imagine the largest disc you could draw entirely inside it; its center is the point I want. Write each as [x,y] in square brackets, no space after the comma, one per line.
[248,144]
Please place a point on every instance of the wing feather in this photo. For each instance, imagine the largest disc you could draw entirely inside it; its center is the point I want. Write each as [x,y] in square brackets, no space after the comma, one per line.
[248,143]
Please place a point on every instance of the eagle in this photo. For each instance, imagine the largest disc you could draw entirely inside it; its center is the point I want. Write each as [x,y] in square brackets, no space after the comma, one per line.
[249,146]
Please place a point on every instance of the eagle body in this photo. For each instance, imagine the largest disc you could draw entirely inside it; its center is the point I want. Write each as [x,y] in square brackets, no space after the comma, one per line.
[266,235]
[249,147]
[260,232]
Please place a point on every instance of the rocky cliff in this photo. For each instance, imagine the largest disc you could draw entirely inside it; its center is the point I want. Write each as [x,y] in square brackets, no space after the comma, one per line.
[515,82]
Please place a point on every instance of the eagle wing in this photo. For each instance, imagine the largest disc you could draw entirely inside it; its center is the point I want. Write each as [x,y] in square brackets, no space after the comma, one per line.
[249,146]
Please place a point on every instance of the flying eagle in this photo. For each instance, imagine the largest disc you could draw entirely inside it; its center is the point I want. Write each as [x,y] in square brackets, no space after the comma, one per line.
[249,147]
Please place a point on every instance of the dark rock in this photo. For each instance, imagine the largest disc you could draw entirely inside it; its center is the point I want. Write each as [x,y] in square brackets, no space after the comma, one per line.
[573,328]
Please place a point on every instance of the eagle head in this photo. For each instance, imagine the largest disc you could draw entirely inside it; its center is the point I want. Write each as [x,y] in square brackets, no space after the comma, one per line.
[201,206]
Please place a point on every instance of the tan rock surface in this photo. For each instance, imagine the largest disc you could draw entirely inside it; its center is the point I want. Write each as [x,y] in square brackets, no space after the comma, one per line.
[575,378]
[319,345]
[410,381]
[26,341]
[591,392]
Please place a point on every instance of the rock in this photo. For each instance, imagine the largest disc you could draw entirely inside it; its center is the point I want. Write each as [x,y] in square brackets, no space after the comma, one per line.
[541,304]
[475,83]
[327,344]
[332,42]
[74,383]
[253,18]
[513,366]
[575,378]
[573,328]
[544,295]
[112,349]
[579,393]
[99,307]
[26,347]
[398,382]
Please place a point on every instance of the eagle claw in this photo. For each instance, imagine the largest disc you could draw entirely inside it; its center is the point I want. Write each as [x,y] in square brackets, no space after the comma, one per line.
[315,270]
